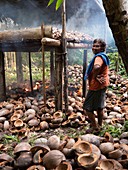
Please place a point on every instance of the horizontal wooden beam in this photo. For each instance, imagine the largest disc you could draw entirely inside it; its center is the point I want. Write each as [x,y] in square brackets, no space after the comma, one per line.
[22,35]
[56,43]
[30,40]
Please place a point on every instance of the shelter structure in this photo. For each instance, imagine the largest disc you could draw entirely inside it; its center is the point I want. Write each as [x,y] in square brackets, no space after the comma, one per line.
[44,38]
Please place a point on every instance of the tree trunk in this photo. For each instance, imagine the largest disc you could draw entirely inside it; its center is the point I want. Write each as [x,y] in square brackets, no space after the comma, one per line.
[118,22]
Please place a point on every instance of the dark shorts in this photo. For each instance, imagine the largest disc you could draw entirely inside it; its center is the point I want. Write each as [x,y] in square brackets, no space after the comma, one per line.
[95,100]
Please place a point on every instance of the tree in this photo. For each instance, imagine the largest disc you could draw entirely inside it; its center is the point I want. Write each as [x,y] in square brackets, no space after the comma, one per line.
[118,21]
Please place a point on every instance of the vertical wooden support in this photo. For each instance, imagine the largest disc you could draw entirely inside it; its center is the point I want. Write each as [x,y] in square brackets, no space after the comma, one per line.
[30,72]
[43,64]
[19,70]
[2,78]
[64,50]
[52,69]
[84,70]
[58,79]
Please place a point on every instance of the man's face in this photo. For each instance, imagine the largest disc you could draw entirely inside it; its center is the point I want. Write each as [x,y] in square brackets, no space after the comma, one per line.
[96,48]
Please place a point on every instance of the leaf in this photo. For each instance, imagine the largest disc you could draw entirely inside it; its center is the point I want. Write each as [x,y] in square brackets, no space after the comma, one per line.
[58,3]
[50,2]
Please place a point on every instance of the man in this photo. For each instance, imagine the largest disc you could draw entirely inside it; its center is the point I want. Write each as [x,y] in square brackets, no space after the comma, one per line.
[97,75]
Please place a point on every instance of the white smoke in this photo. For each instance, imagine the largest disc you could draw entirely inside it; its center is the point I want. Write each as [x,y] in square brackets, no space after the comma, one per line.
[91,20]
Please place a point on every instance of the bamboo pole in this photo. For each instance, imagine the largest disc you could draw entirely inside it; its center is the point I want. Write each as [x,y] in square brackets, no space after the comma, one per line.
[64,50]
[43,64]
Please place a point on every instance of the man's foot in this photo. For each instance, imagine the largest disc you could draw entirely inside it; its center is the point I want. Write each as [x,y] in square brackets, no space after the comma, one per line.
[93,130]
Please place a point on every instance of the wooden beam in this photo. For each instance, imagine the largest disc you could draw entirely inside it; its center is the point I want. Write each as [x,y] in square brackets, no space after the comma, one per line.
[50,42]
[30,40]
[24,34]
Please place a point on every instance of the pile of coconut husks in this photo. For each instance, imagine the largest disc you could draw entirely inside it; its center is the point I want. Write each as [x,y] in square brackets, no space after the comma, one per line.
[34,136]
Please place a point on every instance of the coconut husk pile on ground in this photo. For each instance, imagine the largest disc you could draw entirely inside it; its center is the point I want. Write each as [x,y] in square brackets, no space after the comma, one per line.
[34,136]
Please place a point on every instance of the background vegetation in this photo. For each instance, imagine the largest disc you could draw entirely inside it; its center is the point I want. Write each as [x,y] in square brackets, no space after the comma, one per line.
[75,57]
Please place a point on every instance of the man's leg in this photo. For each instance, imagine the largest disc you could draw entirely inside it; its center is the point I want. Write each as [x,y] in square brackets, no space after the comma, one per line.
[100,113]
[91,117]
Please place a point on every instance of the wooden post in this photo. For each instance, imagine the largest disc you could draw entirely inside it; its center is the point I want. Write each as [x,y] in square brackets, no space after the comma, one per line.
[2,78]
[84,70]
[30,72]
[64,50]
[43,64]
[19,70]
[52,69]
[58,79]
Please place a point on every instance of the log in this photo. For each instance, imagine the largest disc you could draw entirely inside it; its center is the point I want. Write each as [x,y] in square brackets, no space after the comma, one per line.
[50,42]
[78,45]
[56,43]
[24,34]
[29,40]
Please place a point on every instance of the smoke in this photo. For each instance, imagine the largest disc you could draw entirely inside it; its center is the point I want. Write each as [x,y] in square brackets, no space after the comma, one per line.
[82,16]
[91,19]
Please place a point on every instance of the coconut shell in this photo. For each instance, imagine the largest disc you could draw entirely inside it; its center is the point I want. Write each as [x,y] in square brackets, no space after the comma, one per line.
[82,147]
[22,147]
[106,147]
[5,157]
[52,159]
[87,161]
[34,167]
[109,164]
[117,153]
[53,142]
[91,138]
[40,146]
[64,166]
[24,160]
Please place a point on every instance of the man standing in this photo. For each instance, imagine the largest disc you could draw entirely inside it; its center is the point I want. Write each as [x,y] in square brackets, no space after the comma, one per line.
[97,75]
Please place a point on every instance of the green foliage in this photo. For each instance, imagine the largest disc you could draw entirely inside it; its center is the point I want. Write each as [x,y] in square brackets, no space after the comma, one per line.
[58,3]
[75,56]
[36,67]
[126,126]
[114,130]
[50,2]
[8,139]
[116,63]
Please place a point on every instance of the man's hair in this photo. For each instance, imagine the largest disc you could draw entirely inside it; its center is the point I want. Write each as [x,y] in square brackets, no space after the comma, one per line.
[101,42]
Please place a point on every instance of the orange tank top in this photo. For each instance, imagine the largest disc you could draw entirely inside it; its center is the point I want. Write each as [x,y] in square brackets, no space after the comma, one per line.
[95,84]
